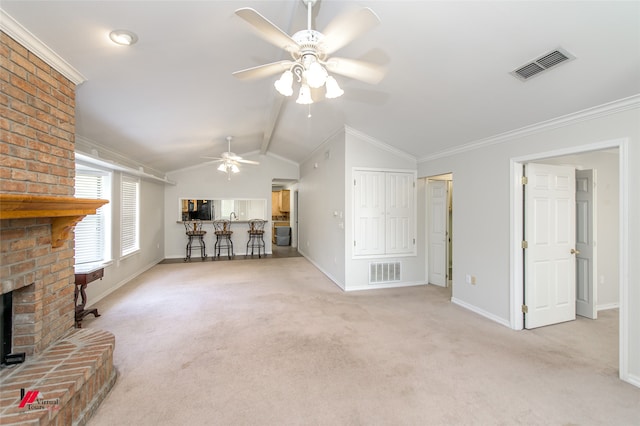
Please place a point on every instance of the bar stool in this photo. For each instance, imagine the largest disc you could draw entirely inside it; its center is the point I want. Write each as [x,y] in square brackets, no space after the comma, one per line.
[194,231]
[256,236]
[222,229]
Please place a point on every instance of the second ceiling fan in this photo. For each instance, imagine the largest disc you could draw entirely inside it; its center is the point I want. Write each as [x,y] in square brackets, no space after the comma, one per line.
[310,62]
[229,161]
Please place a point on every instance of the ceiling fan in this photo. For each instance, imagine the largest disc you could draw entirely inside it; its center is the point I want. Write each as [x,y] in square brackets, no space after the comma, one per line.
[310,49]
[229,161]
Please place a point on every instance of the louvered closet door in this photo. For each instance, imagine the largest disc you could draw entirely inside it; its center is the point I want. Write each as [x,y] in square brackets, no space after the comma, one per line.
[399,208]
[369,206]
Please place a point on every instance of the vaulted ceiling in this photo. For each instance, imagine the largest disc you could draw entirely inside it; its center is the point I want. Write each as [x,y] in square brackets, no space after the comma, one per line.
[171,98]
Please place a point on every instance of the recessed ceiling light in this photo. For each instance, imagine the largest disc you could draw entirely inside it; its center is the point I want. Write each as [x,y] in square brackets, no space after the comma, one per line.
[123,37]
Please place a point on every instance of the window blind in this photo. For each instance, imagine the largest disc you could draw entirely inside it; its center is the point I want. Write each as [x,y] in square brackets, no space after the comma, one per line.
[90,233]
[130,215]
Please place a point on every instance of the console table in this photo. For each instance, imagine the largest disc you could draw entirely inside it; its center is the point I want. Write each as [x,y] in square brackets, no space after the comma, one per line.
[85,275]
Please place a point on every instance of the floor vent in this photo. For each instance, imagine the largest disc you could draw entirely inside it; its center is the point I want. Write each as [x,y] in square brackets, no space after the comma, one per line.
[543,63]
[384,272]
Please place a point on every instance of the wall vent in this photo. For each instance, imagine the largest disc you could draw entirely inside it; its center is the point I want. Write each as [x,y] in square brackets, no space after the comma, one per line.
[384,272]
[541,64]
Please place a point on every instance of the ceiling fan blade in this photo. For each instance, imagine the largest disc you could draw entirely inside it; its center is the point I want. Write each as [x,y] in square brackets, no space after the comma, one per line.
[240,160]
[262,71]
[268,30]
[358,70]
[217,159]
[346,27]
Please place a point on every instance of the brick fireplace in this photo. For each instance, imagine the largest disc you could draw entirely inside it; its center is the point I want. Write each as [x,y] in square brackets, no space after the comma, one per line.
[37,213]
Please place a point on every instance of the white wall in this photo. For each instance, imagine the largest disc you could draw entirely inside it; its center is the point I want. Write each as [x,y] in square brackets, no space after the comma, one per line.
[605,164]
[482,205]
[363,151]
[206,183]
[321,192]
[121,270]
[326,209]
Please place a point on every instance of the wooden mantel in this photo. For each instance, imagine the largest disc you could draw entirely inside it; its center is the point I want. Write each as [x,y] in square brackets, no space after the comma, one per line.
[65,212]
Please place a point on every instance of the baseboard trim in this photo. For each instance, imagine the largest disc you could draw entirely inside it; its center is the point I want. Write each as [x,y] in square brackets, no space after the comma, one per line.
[383,286]
[122,282]
[328,275]
[632,379]
[607,306]
[481,312]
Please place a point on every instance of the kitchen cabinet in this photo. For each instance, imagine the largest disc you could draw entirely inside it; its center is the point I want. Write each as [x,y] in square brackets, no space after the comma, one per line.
[275,203]
[280,202]
[285,200]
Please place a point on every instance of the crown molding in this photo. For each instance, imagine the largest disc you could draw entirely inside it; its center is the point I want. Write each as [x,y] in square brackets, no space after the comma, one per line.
[23,36]
[620,105]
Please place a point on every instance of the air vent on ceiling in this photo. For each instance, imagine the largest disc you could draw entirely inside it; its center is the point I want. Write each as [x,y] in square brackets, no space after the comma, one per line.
[384,272]
[543,63]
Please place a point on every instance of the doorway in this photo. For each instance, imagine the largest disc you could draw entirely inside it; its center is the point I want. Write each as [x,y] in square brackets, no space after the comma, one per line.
[284,217]
[614,280]
[440,230]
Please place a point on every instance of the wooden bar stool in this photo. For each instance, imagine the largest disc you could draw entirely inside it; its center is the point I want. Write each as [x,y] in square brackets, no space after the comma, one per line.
[222,229]
[256,236]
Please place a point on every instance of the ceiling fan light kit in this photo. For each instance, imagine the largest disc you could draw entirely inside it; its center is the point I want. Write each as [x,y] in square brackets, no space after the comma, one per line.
[304,97]
[309,50]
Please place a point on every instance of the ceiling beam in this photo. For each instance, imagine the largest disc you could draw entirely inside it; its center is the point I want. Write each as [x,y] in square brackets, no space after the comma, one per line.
[278,100]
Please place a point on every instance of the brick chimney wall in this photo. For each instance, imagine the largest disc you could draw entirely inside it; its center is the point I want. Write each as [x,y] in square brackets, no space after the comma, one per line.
[37,138]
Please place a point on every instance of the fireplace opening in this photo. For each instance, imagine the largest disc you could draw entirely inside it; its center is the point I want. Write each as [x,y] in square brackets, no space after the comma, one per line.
[6,315]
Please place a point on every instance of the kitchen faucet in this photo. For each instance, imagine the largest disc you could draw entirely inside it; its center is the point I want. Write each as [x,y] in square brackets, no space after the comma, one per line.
[234,215]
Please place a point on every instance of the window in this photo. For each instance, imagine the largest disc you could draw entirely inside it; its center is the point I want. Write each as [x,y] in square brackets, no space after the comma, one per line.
[384,213]
[93,233]
[130,215]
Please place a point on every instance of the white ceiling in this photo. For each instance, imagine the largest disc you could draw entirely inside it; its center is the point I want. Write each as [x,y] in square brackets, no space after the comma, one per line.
[171,98]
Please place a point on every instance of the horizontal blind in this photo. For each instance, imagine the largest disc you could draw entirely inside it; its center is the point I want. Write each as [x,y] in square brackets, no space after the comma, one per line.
[129,223]
[90,232]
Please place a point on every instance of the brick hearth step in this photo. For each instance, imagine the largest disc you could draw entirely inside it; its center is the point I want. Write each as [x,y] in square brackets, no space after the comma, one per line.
[71,377]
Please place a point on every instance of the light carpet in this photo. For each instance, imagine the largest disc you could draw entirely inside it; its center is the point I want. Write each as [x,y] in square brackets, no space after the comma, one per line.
[274,342]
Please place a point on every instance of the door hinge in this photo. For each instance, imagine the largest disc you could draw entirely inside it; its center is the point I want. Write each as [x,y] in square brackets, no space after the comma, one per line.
[525,309]
[354,182]
[525,245]
[525,180]
[414,241]
[354,243]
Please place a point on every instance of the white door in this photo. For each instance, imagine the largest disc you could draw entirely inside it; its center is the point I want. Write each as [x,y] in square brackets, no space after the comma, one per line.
[550,265]
[585,264]
[437,231]
[369,213]
[399,233]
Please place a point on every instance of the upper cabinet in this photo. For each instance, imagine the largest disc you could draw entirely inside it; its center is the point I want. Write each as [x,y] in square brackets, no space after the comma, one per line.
[284,200]
[275,203]
[280,202]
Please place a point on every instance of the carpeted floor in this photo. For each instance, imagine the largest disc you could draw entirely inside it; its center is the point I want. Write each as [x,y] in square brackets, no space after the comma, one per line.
[274,342]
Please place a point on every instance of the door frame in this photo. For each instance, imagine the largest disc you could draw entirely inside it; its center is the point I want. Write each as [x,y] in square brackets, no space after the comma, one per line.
[429,201]
[516,260]
[592,228]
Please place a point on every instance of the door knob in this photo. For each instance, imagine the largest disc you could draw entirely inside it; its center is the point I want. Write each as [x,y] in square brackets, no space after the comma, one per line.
[574,251]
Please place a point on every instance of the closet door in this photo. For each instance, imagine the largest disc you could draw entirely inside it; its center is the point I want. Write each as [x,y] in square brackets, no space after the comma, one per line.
[384,213]
[369,207]
[398,213]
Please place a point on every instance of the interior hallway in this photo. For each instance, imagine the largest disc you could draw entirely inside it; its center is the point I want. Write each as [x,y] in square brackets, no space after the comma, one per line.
[274,342]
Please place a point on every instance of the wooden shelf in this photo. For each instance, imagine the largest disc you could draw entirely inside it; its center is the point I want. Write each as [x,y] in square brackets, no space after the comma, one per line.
[65,212]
